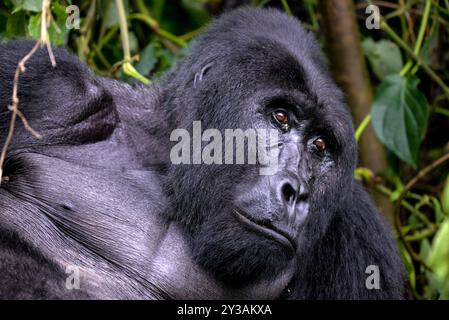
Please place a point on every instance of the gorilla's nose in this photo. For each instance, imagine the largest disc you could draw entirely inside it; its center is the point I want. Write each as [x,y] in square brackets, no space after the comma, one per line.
[292,192]
[288,193]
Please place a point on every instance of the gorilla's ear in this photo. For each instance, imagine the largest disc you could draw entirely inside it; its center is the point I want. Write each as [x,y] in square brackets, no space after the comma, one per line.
[65,103]
[200,74]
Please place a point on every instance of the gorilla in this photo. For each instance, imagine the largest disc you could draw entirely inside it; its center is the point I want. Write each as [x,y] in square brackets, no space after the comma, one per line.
[98,209]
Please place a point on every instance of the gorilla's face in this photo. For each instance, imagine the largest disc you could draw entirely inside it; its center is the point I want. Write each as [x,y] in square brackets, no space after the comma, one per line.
[247,226]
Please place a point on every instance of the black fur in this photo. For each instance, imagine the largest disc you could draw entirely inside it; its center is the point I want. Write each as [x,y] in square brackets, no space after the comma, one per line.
[99,190]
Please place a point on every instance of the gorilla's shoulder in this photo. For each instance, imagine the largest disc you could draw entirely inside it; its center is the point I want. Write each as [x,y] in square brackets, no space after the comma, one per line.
[40,78]
[54,99]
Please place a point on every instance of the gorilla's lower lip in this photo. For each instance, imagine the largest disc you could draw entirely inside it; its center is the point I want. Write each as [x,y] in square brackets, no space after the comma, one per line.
[267,230]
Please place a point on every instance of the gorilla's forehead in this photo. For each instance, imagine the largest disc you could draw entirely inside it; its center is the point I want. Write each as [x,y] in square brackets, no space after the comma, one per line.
[251,53]
[265,48]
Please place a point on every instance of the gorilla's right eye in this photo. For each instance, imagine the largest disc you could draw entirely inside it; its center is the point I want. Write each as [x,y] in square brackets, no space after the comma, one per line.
[281,117]
[320,144]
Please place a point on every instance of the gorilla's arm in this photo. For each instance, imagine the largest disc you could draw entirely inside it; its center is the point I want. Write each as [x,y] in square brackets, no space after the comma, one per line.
[50,201]
[27,274]
[335,266]
[105,122]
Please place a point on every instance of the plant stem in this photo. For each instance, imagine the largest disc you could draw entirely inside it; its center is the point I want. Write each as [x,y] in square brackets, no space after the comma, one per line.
[418,59]
[419,40]
[286,7]
[123,29]
[441,111]
[362,127]
[154,25]
[127,66]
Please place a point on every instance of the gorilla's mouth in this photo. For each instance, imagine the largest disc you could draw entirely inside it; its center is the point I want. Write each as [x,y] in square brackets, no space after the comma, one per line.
[267,229]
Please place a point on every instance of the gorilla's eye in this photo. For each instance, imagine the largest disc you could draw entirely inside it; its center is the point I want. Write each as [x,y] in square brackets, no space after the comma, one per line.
[282,118]
[320,144]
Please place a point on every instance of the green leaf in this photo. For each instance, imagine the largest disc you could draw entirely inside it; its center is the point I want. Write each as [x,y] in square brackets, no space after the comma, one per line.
[424,250]
[16,25]
[34,26]
[438,259]
[133,42]
[428,49]
[57,30]
[157,7]
[197,11]
[27,5]
[399,116]
[438,209]
[408,263]
[384,57]
[110,14]
[445,197]
[147,60]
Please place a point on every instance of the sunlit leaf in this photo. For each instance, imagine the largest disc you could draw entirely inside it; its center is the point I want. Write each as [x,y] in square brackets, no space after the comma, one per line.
[56,31]
[28,5]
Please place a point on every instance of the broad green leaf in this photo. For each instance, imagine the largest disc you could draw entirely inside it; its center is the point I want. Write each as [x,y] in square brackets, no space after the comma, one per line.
[147,60]
[165,59]
[384,57]
[16,25]
[34,26]
[28,5]
[399,115]
[57,30]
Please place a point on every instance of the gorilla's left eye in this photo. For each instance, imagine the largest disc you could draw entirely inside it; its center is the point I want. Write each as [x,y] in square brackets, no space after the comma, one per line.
[282,118]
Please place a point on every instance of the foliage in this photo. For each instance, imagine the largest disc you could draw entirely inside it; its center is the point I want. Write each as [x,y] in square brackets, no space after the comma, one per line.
[407,60]
[399,116]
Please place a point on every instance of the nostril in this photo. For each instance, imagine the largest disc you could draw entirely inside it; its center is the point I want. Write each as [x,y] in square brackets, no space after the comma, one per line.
[303,194]
[288,193]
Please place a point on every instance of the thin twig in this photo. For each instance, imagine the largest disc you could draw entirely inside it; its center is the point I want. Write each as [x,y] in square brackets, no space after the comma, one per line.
[46,18]
[20,69]
[15,106]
